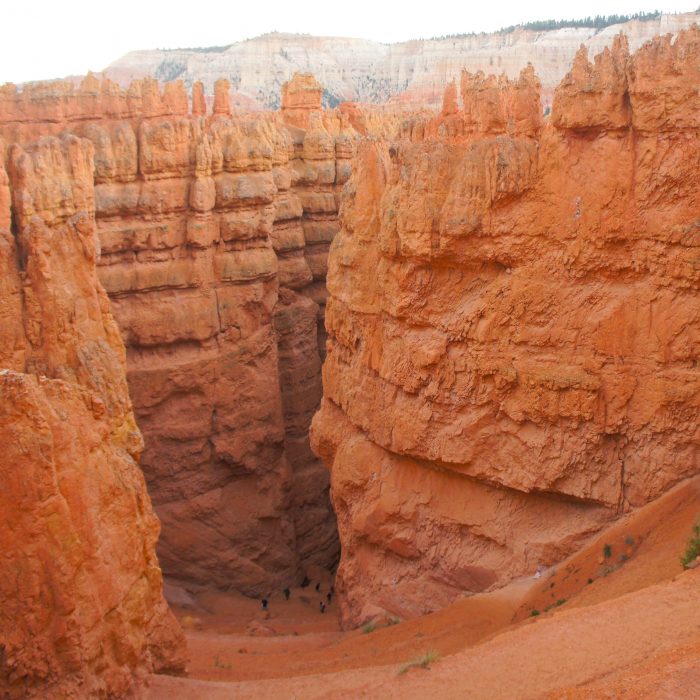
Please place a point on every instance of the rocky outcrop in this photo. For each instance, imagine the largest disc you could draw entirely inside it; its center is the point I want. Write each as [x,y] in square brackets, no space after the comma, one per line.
[301,97]
[214,235]
[513,322]
[81,607]
[413,72]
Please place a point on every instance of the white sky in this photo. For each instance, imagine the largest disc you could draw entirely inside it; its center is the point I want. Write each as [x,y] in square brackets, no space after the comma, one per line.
[44,39]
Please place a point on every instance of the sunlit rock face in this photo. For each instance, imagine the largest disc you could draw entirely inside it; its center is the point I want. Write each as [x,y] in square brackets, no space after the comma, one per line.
[513,326]
[81,607]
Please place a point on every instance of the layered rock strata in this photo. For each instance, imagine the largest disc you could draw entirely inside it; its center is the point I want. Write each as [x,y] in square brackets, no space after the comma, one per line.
[81,607]
[513,326]
[214,233]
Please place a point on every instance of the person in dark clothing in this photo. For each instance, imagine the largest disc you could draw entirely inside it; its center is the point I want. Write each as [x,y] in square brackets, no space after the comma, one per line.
[263,603]
[329,596]
[286,592]
[322,607]
[305,582]
[318,588]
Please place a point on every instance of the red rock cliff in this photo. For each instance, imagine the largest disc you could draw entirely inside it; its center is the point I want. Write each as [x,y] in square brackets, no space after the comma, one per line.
[214,236]
[513,327]
[81,606]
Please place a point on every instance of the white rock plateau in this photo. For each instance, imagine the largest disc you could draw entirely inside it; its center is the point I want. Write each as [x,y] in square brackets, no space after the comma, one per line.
[368,71]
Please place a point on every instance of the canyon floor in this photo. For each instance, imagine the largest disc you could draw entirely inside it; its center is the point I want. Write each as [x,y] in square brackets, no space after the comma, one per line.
[618,619]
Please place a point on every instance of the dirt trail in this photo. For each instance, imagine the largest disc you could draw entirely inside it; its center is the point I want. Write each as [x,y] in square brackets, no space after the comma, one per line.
[636,624]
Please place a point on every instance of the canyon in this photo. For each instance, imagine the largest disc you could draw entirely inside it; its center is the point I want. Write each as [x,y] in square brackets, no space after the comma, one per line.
[490,314]
[414,72]
[214,235]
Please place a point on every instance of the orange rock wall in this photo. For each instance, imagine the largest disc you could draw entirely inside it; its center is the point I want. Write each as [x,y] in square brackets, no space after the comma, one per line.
[81,607]
[214,234]
[513,327]
[194,255]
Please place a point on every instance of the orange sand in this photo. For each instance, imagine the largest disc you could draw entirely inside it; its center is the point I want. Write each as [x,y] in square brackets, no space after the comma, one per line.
[633,632]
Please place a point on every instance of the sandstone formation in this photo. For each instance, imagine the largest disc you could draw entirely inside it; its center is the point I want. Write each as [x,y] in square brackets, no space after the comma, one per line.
[81,607]
[513,326]
[414,72]
[214,234]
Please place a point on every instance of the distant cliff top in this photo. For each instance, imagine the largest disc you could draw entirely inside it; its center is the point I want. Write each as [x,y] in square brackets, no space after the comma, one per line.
[368,71]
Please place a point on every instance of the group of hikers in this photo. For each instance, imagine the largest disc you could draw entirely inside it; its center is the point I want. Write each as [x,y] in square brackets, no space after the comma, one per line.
[286,592]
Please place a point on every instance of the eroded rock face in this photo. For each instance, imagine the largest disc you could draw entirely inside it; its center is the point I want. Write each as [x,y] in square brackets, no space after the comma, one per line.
[214,235]
[513,327]
[81,605]
[225,372]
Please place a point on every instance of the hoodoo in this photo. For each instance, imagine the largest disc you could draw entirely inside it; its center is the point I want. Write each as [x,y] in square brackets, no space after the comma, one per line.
[411,72]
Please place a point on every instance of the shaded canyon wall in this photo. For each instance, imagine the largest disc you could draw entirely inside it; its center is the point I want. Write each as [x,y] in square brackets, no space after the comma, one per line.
[513,326]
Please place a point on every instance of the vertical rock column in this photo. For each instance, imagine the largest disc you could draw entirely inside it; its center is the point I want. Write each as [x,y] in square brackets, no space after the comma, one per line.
[81,606]
[211,227]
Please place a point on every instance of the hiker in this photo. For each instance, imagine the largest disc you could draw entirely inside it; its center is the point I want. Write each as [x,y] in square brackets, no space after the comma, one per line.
[329,595]
[286,592]
[318,587]
[263,603]
[322,607]
[305,582]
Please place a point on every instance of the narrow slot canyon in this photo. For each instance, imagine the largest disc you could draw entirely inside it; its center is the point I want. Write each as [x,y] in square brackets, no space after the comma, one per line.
[214,234]
[209,232]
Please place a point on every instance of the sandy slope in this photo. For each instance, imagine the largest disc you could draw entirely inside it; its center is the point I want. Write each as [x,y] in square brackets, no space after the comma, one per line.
[634,631]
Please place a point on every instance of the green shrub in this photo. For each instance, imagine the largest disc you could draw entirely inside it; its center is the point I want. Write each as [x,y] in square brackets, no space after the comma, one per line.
[369,627]
[430,656]
[692,551]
